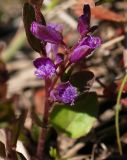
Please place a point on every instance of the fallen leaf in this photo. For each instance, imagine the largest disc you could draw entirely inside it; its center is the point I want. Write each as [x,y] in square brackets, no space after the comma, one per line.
[98,12]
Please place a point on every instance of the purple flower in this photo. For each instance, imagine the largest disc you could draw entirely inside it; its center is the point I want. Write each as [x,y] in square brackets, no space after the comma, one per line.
[84,21]
[57,27]
[84,48]
[88,43]
[45,68]
[91,41]
[46,33]
[79,53]
[50,47]
[64,93]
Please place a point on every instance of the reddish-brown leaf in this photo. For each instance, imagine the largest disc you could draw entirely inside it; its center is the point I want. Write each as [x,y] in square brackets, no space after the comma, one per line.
[98,12]
[105,14]
[82,2]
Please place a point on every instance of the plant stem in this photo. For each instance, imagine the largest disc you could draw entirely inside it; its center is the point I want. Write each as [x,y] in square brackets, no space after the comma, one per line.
[117,107]
[41,144]
[11,152]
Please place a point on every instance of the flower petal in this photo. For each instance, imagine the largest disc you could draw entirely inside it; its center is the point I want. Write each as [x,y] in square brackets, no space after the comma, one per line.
[84,21]
[79,53]
[45,68]
[64,93]
[91,41]
[57,27]
[46,33]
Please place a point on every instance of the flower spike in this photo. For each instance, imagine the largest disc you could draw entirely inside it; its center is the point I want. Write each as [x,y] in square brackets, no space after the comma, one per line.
[64,93]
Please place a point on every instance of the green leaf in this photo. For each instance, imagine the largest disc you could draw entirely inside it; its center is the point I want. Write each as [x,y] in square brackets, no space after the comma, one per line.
[28,18]
[82,80]
[76,121]
[2,150]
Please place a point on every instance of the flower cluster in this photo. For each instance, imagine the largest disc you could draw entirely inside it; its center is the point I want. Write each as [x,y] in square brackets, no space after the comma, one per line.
[65,93]
[50,66]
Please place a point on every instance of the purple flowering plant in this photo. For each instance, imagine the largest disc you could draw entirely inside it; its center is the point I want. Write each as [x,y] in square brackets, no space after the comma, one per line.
[67,93]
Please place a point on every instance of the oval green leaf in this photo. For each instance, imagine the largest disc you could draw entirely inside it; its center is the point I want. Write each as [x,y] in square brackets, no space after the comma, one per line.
[76,121]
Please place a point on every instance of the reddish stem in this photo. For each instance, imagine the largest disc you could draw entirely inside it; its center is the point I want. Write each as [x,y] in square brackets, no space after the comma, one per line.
[62,70]
[48,87]
[42,139]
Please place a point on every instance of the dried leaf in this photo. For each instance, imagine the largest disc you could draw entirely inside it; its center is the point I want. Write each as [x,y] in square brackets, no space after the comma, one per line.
[90,2]
[99,12]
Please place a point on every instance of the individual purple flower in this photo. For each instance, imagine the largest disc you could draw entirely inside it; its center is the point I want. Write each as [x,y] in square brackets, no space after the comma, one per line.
[45,68]
[84,21]
[64,93]
[46,33]
[79,53]
[50,47]
[84,48]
